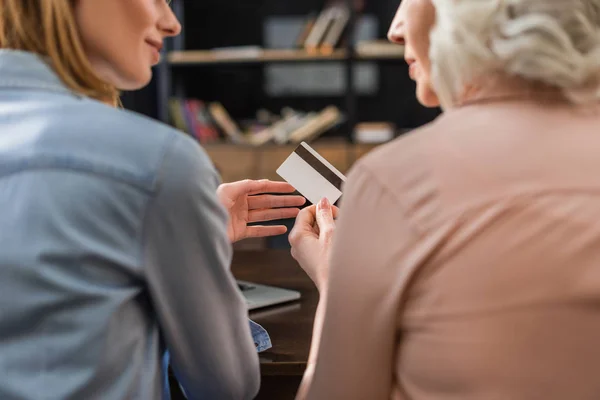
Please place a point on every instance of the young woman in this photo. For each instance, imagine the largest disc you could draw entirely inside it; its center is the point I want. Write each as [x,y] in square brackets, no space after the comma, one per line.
[465,261]
[115,238]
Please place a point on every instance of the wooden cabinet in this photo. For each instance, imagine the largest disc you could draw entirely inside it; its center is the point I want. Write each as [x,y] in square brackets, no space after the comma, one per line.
[269,158]
[235,162]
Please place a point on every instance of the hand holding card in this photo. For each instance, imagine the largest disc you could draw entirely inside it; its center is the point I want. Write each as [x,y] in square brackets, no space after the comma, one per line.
[312,175]
[311,240]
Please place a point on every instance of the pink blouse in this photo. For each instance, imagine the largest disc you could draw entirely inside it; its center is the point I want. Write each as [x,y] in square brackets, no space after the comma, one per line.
[466,263]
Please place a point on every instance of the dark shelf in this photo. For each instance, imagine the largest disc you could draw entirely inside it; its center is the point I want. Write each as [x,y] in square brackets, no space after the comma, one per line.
[237,79]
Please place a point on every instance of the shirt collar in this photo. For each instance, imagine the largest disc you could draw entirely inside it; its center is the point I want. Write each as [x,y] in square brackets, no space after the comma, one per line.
[25,70]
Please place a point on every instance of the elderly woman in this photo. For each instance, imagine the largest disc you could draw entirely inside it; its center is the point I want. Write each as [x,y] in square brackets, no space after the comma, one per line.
[464,264]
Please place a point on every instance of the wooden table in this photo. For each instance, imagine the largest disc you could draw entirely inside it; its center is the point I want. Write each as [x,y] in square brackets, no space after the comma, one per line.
[290,326]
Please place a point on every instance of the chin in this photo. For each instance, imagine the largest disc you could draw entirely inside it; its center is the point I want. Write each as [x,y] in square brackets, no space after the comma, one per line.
[132,77]
[135,81]
[427,97]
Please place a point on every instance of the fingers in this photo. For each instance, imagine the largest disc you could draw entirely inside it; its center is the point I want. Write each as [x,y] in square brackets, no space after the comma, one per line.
[336,211]
[268,201]
[235,189]
[272,214]
[265,231]
[252,187]
[304,226]
[267,186]
[307,217]
[325,220]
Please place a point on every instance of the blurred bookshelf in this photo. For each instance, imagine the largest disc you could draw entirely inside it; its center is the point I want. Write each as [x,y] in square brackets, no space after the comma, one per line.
[200,57]
[330,56]
[249,80]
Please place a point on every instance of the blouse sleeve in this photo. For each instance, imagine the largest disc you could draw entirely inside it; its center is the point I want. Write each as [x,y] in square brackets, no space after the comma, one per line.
[202,315]
[356,328]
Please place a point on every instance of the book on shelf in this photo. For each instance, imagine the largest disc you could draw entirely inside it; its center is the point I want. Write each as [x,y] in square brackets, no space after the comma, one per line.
[318,31]
[211,122]
[316,125]
[201,123]
[295,127]
[309,23]
[191,116]
[336,30]
[226,123]
[324,33]
[374,132]
[177,115]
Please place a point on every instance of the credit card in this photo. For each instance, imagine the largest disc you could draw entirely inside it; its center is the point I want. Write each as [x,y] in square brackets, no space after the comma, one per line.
[312,175]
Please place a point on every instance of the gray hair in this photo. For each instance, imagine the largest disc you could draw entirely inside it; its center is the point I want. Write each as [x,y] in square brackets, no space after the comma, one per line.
[552,42]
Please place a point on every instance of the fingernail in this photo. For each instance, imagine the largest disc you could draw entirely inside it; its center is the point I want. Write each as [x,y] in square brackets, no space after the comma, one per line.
[324,204]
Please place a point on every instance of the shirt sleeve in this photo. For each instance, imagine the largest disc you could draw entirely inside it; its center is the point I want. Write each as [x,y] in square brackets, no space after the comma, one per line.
[201,312]
[356,327]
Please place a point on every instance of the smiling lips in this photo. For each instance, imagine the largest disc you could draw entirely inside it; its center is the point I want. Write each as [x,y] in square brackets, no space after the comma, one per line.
[412,68]
[157,46]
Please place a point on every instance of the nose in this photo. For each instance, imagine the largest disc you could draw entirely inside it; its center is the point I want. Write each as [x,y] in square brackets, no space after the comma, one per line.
[396,34]
[169,25]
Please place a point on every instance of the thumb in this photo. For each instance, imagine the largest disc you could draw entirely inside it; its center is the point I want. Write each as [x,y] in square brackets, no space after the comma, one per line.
[325,217]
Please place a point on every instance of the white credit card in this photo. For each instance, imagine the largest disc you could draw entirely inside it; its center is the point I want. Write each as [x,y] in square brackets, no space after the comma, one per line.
[312,175]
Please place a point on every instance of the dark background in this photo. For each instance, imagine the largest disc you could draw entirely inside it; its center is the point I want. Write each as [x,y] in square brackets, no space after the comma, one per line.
[219,23]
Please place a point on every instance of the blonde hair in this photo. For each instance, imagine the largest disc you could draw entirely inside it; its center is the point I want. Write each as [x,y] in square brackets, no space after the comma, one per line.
[550,42]
[48,28]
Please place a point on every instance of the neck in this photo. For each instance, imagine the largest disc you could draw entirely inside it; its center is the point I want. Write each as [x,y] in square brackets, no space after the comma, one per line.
[501,89]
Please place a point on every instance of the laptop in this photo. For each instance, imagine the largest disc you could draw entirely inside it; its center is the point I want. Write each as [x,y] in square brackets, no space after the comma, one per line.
[260,296]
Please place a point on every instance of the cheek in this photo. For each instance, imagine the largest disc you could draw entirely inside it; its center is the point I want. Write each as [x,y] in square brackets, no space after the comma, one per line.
[425,93]
[418,31]
[125,61]
[419,45]
[419,27]
[113,33]
[134,68]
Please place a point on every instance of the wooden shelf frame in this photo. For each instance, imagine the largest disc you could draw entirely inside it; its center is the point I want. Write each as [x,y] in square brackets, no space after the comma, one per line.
[208,57]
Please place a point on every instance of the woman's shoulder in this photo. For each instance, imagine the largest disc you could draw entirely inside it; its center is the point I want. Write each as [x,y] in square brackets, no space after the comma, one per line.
[112,119]
[117,127]
[432,146]
[420,167]
[474,155]
[406,155]
[403,168]
[118,139]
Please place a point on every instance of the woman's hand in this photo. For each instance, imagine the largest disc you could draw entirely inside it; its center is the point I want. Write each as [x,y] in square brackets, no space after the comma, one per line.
[246,203]
[311,240]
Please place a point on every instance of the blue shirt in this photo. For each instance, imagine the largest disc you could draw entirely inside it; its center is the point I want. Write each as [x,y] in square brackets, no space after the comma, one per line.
[113,248]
